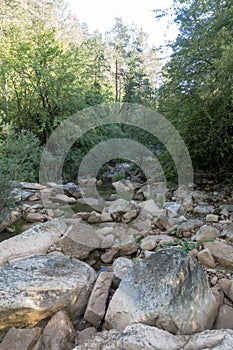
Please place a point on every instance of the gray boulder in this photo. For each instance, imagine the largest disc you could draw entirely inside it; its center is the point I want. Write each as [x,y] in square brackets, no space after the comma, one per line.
[34,288]
[139,336]
[168,290]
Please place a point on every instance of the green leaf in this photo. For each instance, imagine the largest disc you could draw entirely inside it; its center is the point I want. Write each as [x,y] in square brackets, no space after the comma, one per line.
[190,246]
[166,244]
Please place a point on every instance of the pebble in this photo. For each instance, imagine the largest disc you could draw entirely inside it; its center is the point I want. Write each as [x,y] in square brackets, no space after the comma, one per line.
[213,271]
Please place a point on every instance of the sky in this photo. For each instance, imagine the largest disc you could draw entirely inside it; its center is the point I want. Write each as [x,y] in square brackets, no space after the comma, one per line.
[100,14]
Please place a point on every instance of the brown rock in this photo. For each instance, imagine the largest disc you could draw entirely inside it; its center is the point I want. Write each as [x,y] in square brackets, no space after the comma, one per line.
[148,243]
[212,218]
[79,241]
[32,186]
[94,218]
[214,280]
[86,334]
[206,232]
[127,217]
[21,339]
[59,334]
[218,295]
[222,252]
[109,255]
[224,319]
[35,217]
[128,245]
[227,287]
[96,306]
[205,257]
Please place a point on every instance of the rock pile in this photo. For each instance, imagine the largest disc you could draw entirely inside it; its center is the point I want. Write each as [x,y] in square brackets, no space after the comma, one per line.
[137,274]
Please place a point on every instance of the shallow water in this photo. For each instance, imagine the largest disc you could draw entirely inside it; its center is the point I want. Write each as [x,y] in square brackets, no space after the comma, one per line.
[17,227]
[104,190]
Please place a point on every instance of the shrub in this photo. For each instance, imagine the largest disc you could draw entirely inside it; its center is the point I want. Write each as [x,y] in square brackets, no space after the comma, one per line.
[20,156]
[19,160]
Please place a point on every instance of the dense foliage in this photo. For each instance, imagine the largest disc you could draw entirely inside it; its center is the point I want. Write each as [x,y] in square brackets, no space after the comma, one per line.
[19,161]
[52,67]
[197,93]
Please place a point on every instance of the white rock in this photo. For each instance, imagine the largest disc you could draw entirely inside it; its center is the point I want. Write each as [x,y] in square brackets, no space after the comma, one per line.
[141,336]
[33,241]
[212,218]
[149,210]
[64,198]
[34,288]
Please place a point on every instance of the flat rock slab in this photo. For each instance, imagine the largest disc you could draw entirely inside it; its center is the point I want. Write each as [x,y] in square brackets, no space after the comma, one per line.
[34,288]
[168,290]
[138,337]
[35,240]
[32,186]
[96,306]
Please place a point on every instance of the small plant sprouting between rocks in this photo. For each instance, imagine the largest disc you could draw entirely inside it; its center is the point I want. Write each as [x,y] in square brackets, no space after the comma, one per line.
[185,244]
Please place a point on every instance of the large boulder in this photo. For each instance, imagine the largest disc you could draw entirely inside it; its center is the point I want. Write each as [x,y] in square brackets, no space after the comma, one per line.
[34,241]
[139,336]
[168,290]
[32,289]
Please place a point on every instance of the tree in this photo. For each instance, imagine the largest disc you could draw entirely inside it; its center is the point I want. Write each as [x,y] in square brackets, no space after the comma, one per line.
[118,41]
[96,70]
[40,89]
[133,80]
[197,91]
[140,72]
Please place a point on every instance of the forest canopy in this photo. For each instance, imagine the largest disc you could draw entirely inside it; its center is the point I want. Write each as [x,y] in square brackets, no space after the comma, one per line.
[51,66]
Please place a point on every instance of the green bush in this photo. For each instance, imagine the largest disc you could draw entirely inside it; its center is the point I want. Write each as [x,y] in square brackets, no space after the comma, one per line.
[19,160]
[20,156]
